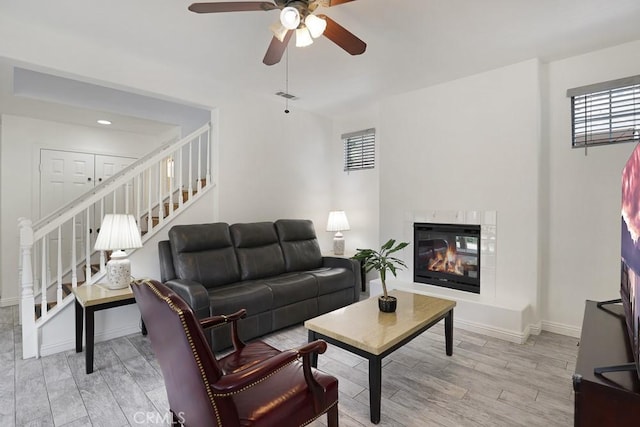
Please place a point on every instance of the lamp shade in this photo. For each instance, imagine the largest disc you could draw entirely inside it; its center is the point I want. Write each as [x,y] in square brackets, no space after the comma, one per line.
[315,25]
[290,18]
[337,221]
[118,231]
[303,37]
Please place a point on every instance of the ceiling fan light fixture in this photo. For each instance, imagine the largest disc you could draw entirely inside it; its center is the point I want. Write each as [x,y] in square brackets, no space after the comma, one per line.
[278,30]
[315,25]
[290,18]
[303,37]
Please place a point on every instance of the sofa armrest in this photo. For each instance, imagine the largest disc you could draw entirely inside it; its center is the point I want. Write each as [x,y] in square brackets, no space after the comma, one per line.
[349,264]
[194,293]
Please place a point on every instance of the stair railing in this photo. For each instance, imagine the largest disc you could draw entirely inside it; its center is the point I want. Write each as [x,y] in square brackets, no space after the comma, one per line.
[56,252]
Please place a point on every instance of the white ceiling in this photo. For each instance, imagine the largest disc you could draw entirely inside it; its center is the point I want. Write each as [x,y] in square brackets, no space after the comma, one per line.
[411,43]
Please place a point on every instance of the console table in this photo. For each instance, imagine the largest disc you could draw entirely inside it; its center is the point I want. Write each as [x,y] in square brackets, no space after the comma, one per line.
[613,398]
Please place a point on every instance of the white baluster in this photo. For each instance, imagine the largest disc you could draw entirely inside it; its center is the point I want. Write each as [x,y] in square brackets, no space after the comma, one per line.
[199,185]
[27,312]
[74,255]
[103,260]
[170,172]
[209,156]
[87,259]
[44,279]
[59,275]
[149,193]
[179,172]
[126,197]
[160,201]
[138,198]
[190,170]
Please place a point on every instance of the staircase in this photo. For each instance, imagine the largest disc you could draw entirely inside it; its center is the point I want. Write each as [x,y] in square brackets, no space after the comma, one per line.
[56,252]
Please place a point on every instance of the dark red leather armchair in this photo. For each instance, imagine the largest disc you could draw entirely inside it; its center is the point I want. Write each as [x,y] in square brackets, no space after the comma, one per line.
[255,385]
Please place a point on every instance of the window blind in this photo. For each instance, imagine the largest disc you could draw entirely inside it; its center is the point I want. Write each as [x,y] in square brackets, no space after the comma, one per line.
[359,150]
[606,113]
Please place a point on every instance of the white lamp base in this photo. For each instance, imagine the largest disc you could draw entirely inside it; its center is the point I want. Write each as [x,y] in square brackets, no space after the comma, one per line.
[118,271]
[338,244]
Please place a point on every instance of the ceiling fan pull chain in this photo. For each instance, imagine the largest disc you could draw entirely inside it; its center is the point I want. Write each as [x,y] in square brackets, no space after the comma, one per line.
[286,81]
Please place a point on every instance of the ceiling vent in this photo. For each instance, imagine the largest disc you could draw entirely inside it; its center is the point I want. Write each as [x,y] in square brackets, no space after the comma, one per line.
[287,95]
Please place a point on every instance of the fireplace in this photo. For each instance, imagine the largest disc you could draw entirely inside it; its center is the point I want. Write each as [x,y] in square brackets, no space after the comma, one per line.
[447,255]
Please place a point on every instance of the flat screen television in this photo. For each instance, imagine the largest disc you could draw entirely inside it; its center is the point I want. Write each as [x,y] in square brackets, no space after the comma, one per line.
[630,259]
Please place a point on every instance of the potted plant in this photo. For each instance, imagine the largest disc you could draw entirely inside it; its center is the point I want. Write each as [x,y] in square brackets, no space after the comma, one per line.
[381,261]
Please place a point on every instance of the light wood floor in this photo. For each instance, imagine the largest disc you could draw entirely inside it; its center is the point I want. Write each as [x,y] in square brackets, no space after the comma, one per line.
[487,382]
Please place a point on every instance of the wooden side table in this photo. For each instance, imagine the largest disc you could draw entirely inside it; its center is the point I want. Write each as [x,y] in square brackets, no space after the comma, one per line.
[92,298]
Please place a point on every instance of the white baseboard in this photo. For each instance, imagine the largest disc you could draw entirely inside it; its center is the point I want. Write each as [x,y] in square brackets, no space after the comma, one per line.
[66,345]
[6,302]
[559,328]
[492,331]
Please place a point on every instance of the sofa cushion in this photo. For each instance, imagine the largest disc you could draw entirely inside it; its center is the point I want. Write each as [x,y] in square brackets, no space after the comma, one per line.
[299,244]
[254,297]
[258,250]
[291,288]
[332,279]
[204,253]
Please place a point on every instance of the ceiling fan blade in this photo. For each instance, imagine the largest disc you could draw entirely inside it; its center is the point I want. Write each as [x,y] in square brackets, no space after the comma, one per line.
[343,37]
[329,3]
[276,49]
[231,6]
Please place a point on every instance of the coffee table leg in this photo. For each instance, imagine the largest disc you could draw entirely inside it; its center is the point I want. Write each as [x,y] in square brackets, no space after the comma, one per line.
[89,336]
[78,327]
[375,387]
[314,355]
[448,332]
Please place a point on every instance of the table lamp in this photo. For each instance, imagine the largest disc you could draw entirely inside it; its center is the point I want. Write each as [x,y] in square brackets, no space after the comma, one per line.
[338,222]
[117,233]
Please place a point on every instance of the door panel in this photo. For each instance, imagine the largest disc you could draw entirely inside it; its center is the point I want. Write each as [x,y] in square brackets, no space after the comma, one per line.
[105,168]
[64,176]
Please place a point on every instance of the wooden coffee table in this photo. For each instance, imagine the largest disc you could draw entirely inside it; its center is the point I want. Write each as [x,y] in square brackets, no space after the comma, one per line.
[363,330]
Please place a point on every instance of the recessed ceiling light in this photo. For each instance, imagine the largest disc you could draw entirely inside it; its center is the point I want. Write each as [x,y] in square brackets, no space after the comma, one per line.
[104,122]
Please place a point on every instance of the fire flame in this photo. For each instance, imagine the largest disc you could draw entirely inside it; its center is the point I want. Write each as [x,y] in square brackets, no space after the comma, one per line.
[446,263]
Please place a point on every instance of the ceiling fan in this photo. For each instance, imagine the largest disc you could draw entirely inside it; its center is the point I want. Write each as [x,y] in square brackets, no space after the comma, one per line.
[295,15]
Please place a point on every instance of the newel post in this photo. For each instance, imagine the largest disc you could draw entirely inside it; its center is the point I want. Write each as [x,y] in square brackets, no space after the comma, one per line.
[27,312]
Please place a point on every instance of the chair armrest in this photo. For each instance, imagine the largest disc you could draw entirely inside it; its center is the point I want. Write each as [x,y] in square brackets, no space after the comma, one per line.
[213,321]
[317,346]
[234,382]
[194,293]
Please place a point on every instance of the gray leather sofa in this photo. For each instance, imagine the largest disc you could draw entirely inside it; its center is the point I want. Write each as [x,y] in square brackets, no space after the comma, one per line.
[272,269]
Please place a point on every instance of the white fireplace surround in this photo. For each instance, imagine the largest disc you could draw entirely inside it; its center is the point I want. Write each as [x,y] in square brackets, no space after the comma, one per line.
[486,313]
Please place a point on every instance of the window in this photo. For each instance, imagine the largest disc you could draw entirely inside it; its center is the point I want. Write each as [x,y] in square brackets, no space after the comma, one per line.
[359,150]
[606,113]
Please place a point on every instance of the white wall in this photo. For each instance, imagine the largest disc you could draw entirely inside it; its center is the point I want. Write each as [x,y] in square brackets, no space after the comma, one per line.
[22,138]
[583,240]
[469,144]
[357,192]
[273,165]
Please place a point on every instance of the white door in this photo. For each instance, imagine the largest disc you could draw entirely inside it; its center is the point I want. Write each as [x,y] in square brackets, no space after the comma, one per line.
[64,176]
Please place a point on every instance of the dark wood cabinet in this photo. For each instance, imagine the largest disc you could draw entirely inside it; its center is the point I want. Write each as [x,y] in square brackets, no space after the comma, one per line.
[613,398]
